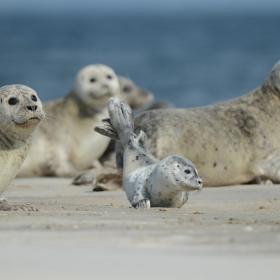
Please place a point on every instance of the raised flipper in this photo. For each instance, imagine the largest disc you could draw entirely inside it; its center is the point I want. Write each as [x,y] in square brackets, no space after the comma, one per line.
[120,127]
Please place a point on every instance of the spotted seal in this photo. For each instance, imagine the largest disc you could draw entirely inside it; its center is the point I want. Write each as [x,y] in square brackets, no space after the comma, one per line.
[147,181]
[233,142]
[20,113]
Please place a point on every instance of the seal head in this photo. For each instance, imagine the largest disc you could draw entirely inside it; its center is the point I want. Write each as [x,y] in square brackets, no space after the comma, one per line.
[94,84]
[136,98]
[20,111]
[181,172]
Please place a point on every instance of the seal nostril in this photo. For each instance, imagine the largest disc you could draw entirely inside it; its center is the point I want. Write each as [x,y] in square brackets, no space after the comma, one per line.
[32,108]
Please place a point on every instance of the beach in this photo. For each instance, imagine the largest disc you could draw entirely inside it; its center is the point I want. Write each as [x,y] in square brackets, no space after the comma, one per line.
[79,234]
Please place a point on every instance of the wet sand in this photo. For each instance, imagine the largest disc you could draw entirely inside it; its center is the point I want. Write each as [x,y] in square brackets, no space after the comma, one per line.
[222,233]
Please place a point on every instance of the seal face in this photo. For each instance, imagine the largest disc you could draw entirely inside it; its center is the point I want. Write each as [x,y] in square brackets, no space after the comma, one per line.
[20,113]
[146,181]
[94,84]
[230,143]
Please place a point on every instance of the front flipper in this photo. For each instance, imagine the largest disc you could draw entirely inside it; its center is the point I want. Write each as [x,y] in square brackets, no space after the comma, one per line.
[269,168]
[143,203]
[139,200]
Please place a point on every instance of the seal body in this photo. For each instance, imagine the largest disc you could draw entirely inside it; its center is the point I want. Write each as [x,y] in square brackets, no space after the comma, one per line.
[65,144]
[20,113]
[146,181]
[230,143]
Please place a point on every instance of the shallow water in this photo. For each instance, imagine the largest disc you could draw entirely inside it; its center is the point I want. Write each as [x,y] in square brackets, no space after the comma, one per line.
[186,60]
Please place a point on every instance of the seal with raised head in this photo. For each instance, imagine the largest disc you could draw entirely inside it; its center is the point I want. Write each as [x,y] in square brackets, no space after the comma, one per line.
[20,113]
[147,181]
[233,142]
[65,144]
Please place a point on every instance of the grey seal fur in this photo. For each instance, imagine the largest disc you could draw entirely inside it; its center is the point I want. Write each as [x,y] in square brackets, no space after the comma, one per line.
[20,113]
[147,181]
[233,142]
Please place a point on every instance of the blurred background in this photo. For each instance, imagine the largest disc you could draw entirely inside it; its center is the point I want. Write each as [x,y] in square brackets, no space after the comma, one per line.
[187,52]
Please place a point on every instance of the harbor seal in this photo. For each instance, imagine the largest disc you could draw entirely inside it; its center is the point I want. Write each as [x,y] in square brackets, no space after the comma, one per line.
[65,144]
[20,113]
[147,181]
[137,98]
[233,142]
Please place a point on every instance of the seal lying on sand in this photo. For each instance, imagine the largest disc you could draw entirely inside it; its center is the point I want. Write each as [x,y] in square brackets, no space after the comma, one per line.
[20,113]
[65,144]
[146,181]
[230,143]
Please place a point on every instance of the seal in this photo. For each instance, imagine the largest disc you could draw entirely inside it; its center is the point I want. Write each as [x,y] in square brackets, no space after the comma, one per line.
[233,142]
[137,98]
[146,181]
[65,144]
[20,113]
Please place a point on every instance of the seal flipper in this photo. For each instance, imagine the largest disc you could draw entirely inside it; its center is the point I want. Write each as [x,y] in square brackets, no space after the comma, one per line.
[120,125]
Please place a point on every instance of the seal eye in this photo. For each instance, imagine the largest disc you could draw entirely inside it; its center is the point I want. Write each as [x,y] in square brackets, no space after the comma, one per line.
[33,97]
[126,89]
[13,101]
[92,80]
[187,171]
[109,77]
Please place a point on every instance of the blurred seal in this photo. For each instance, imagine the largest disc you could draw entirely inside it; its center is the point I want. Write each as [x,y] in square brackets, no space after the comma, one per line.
[66,144]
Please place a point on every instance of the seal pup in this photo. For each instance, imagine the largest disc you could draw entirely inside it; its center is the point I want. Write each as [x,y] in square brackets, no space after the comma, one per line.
[233,142]
[20,113]
[65,144]
[146,181]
